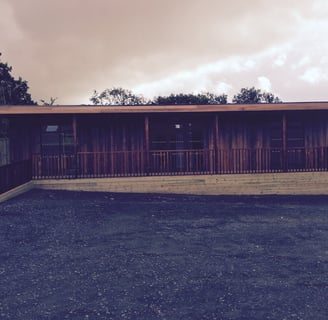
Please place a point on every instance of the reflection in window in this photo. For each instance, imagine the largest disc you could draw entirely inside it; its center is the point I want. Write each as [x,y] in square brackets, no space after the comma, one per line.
[52,128]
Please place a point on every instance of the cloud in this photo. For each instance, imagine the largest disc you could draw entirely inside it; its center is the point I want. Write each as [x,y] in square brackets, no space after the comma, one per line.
[66,49]
[209,77]
[304,61]
[9,31]
[264,83]
[280,60]
[314,75]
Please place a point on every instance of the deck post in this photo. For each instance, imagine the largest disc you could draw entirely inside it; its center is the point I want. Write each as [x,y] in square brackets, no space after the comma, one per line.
[284,143]
[147,148]
[217,144]
[74,126]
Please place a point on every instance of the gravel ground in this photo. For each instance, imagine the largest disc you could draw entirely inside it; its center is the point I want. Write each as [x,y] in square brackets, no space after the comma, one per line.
[75,255]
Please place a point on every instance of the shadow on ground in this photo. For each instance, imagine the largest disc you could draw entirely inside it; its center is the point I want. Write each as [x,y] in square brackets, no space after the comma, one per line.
[74,255]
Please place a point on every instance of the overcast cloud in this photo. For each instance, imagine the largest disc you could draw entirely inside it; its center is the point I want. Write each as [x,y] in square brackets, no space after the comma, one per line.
[68,48]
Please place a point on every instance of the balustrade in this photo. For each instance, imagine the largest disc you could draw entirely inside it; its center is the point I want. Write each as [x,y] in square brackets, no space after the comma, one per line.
[179,162]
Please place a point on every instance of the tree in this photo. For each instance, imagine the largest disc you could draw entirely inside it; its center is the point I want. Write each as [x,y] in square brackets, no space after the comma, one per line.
[182,98]
[12,91]
[117,96]
[252,95]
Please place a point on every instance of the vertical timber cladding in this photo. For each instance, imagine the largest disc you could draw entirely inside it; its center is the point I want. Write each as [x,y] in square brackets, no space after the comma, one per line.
[111,144]
[23,137]
[307,140]
[246,142]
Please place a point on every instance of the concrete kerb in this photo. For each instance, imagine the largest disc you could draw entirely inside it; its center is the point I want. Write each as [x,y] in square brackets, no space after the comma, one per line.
[292,183]
[17,191]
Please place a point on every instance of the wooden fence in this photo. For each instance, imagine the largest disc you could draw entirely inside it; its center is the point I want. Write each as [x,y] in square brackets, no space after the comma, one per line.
[178,162]
[15,174]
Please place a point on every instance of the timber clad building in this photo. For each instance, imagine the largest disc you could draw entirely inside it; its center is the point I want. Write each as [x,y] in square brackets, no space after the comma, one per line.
[60,142]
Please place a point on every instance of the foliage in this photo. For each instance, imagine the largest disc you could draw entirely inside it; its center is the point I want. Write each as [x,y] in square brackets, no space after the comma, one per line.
[269,97]
[253,95]
[117,96]
[12,91]
[120,96]
[51,102]
[183,99]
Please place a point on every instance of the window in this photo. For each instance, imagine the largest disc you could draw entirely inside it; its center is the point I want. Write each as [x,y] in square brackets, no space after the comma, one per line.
[176,135]
[4,151]
[4,142]
[57,139]
[276,134]
[276,144]
[295,145]
[295,134]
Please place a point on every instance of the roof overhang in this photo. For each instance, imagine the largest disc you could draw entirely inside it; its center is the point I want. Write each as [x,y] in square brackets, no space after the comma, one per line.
[149,109]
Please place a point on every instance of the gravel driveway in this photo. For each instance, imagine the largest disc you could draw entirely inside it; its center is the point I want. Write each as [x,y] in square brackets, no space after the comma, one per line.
[74,255]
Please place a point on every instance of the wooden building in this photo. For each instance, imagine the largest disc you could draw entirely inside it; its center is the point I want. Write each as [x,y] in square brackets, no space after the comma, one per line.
[40,142]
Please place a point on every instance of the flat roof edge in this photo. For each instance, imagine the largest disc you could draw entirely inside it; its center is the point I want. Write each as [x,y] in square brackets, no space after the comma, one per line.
[90,109]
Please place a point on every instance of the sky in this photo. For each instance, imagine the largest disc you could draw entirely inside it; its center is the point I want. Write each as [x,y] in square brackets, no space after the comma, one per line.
[66,49]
